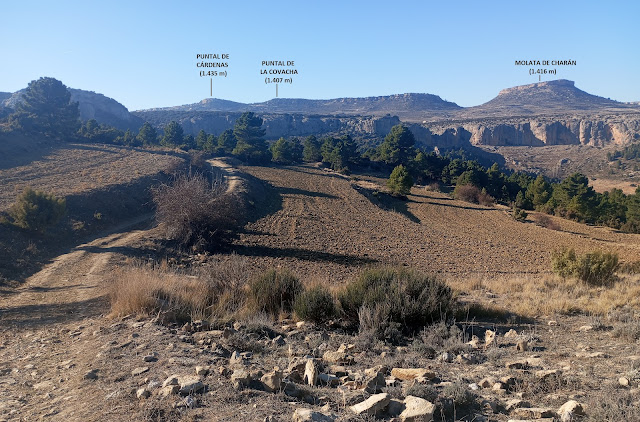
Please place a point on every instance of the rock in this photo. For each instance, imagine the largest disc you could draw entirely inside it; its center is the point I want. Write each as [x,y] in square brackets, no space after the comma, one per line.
[517,364]
[417,409]
[489,338]
[372,405]
[339,357]
[240,378]
[140,370]
[202,370]
[235,359]
[446,357]
[291,390]
[329,379]
[487,382]
[515,404]
[569,411]
[190,384]
[308,415]
[475,342]
[272,381]
[295,371]
[153,357]
[171,380]
[511,334]
[533,412]
[408,374]
[337,370]
[545,374]
[585,328]
[552,323]
[374,380]
[522,346]
[143,393]
[91,375]
[279,341]
[465,359]
[188,402]
[310,373]
[168,390]
[623,381]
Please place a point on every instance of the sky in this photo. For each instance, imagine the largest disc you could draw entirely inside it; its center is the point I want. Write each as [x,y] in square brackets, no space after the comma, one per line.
[143,53]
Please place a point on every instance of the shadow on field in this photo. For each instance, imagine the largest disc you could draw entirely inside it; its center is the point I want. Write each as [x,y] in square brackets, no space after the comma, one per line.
[38,315]
[303,254]
[295,191]
[387,203]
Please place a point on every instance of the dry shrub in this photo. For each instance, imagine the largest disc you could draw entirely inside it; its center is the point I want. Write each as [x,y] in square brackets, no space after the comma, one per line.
[613,405]
[35,210]
[596,268]
[196,212]
[274,291]
[315,304]
[217,293]
[391,299]
[544,220]
[467,193]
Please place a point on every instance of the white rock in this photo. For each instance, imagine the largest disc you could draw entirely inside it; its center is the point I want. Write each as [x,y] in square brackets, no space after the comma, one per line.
[308,415]
[372,405]
[417,409]
[570,410]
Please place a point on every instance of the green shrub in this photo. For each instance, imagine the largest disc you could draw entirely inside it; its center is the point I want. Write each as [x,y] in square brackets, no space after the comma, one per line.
[519,214]
[395,298]
[315,304]
[36,210]
[400,181]
[596,268]
[274,291]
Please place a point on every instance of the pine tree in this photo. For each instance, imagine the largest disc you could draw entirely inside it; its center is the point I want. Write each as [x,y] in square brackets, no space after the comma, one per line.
[398,146]
[249,133]
[400,182]
[173,135]
[148,135]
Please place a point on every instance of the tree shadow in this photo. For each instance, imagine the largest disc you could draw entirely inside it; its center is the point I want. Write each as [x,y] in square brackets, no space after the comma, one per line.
[295,191]
[303,254]
[39,315]
[387,202]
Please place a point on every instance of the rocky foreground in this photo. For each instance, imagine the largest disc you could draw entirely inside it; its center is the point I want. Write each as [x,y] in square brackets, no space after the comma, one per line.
[134,369]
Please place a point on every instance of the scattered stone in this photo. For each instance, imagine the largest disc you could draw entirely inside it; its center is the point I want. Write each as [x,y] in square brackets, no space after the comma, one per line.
[143,393]
[240,378]
[151,358]
[374,380]
[168,390]
[475,342]
[569,411]
[235,359]
[515,404]
[465,359]
[533,412]
[446,357]
[272,381]
[339,357]
[552,323]
[511,334]
[188,402]
[623,381]
[585,328]
[308,415]
[139,370]
[372,405]
[487,382]
[408,374]
[171,380]
[329,379]
[190,384]
[310,373]
[395,408]
[203,370]
[279,341]
[44,385]
[489,338]
[417,409]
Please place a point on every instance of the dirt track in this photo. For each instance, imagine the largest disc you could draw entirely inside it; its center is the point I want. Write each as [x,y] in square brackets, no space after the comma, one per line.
[323,227]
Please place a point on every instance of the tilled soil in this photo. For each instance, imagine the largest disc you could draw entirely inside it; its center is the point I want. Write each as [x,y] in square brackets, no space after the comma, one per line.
[327,226]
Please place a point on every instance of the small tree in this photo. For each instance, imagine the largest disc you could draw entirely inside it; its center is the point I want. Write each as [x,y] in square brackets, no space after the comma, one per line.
[400,181]
[249,133]
[173,135]
[311,150]
[398,146]
[285,151]
[148,135]
[36,210]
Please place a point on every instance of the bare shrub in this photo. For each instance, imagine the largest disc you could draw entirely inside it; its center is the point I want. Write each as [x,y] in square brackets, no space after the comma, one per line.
[194,211]
[544,220]
[613,405]
[467,193]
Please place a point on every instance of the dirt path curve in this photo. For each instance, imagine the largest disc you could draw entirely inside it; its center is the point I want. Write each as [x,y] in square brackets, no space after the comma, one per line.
[71,285]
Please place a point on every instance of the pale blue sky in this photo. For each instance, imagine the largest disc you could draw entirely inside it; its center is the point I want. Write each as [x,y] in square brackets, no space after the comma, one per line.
[143,53]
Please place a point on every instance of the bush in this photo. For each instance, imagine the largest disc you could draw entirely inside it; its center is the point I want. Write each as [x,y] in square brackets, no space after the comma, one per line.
[596,268]
[470,193]
[315,305]
[545,221]
[195,212]
[519,214]
[388,299]
[36,210]
[274,291]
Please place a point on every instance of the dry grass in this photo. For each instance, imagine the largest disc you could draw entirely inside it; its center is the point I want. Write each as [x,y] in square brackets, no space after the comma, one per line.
[215,293]
[549,295]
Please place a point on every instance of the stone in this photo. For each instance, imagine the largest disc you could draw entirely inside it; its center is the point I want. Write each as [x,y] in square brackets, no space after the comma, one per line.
[272,381]
[409,374]
[337,370]
[140,370]
[339,357]
[295,371]
[374,380]
[372,405]
[143,393]
[417,409]
[291,390]
[190,384]
[569,411]
[446,357]
[279,341]
[188,402]
[552,323]
[533,412]
[153,357]
[310,373]
[623,381]
[171,380]
[517,364]
[329,379]
[202,370]
[549,373]
[487,382]
[585,328]
[474,342]
[395,408]
[511,334]
[240,378]
[308,415]
[235,359]
[515,404]
[522,346]
[489,338]
[168,390]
